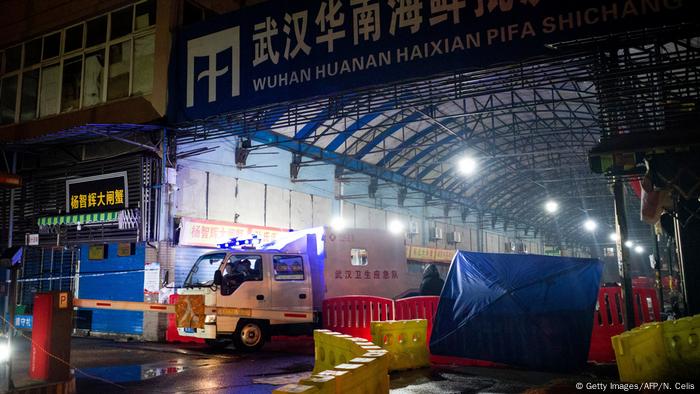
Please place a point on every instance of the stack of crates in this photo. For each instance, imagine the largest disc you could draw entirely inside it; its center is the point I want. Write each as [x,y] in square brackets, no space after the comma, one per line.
[659,351]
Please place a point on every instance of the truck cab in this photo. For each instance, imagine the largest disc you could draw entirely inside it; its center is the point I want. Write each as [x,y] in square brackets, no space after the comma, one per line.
[279,287]
[276,283]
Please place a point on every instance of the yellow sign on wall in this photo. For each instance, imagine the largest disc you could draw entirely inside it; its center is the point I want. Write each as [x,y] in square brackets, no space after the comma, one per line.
[97,252]
[63,300]
[124,249]
[429,254]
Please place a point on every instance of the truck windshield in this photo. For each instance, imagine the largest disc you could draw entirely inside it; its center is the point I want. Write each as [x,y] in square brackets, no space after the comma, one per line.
[202,272]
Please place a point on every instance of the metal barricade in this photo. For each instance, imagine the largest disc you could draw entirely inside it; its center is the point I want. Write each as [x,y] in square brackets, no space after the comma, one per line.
[353,314]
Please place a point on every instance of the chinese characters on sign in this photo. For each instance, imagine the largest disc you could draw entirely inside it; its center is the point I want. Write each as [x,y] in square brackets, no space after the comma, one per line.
[97,193]
[282,51]
[210,233]
[429,254]
[366,274]
[110,198]
[365,23]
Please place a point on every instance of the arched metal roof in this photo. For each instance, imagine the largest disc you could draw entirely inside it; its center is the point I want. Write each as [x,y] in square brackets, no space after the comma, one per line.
[529,125]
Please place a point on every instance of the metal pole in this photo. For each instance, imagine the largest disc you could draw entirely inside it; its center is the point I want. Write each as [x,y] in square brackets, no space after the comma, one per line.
[657,258]
[480,232]
[10,274]
[623,258]
[681,258]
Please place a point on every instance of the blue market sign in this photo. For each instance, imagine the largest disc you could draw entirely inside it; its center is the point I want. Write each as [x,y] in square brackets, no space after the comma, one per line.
[279,51]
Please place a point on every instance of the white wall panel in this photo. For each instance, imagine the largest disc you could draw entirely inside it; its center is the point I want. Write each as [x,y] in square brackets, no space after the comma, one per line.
[277,214]
[301,210]
[361,216]
[221,197]
[377,219]
[348,214]
[250,203]
[191,195]
[321,211]
[441,243]
[475,239]
[491,243]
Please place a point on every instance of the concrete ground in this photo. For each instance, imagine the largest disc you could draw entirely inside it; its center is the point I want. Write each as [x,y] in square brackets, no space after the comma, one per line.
[105,366]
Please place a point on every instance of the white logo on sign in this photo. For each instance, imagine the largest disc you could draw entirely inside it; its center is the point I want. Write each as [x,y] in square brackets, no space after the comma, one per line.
[209,46]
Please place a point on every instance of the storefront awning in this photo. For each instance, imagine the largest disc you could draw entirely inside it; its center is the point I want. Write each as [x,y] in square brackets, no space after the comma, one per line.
[84,218]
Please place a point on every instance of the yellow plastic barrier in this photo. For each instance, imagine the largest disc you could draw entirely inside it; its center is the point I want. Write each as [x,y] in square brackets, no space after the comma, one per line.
[332,348]
[640,354]
[682,342]
[324,383]
[296,388]
[658,351]
[344,364]
[405,341]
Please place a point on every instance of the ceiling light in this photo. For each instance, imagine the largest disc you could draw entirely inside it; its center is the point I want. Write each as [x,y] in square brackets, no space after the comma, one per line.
[551,206]
[396,227]
[467,165]
[337,223]
[590,225]
[639,249]
[629,243]
[613,237]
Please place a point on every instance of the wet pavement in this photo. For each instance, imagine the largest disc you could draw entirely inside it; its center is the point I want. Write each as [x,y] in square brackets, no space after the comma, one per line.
[106,366]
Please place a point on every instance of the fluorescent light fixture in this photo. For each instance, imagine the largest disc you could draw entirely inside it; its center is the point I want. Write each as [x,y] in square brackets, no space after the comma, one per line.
[467,165]
[590,225]
[551,206]
[337,223]
[396,227]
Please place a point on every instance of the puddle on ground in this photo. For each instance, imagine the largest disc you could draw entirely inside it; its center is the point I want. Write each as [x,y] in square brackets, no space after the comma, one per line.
[137,372]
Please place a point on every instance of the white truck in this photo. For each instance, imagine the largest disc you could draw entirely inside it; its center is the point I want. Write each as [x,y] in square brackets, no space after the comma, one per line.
[279,287]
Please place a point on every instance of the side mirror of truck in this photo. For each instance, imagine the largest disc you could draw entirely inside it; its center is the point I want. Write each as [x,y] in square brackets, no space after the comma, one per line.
[218,278]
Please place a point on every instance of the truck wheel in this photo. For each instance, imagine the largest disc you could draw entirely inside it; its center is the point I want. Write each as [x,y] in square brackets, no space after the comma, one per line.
[250,336]
[218,343]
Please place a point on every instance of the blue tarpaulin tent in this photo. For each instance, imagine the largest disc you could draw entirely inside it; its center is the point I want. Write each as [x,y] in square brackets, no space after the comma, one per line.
[524,310]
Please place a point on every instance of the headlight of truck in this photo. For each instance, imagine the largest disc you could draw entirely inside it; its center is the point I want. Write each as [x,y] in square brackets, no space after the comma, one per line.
[210,319]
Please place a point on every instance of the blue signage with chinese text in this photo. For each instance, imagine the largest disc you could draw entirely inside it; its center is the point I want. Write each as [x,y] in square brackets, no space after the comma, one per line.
[280,51]
[24,322]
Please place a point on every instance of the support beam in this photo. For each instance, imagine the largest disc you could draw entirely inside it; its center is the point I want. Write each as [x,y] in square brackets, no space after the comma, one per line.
[623,258]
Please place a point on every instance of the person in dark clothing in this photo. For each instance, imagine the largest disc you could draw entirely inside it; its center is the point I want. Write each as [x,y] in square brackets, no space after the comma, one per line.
[432,283]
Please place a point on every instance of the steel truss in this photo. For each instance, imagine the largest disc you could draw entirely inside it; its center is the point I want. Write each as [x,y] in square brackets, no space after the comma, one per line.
[530,125]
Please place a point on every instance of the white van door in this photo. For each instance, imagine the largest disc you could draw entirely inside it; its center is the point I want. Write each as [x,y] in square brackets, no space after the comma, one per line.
[291,283]
[245,284]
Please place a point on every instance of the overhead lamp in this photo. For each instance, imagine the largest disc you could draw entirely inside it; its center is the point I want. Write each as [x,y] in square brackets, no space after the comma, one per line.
[4,351]
[639,249]
[590,225]
[467,165]
[613,237]
[396,227]
[337,223]
[629,243]
[551,206]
